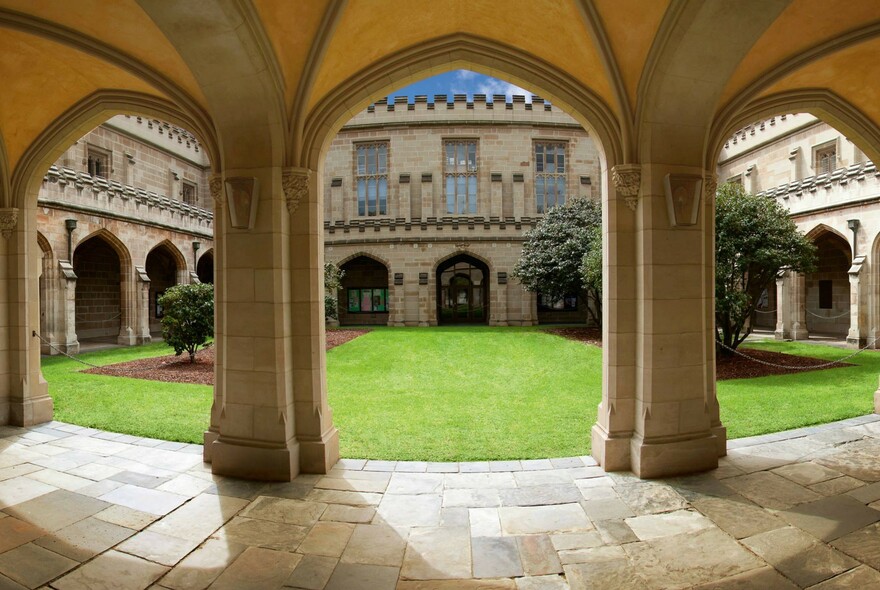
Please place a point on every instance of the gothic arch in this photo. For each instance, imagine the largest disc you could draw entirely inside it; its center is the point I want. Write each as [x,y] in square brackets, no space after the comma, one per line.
[460,50]
[113,241]
[819,102]
[44,245]
[366,254]
[175,253]
[481,259]
[85,116]
[821,229]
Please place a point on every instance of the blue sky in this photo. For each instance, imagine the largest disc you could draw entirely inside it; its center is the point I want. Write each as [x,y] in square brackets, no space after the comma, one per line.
[461,82]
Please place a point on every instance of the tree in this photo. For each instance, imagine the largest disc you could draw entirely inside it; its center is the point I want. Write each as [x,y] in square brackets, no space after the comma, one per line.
[332,282]
[188,320]
[754,240]
[554,254]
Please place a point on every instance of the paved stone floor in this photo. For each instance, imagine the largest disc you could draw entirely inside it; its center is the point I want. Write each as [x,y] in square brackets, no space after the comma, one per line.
[85,509]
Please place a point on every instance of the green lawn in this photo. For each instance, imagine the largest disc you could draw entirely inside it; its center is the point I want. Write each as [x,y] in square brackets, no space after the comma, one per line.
[467,393]
[170,411]
[463,393]
[782,402]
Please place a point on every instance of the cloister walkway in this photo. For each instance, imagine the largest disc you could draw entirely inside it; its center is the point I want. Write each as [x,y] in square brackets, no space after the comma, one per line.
[83,508]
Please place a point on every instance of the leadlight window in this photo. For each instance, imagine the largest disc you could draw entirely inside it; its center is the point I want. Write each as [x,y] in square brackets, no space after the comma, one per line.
[188,192]
[460,168]
[567,303]
[371,178]
[367,300]
[549,175]
[826,159]
[98,161]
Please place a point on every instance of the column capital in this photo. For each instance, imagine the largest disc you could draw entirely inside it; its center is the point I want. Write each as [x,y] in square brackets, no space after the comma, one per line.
[627,180]
[215,183]
[295,182]
[710,185]
[8,221]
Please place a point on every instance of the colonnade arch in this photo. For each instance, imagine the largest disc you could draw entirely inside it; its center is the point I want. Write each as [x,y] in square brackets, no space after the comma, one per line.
[104,294]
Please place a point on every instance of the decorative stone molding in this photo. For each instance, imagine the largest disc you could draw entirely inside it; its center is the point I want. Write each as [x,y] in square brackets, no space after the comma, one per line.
[8,221]
[627,180]
[215,183]
[463,245]
[243,194]
[295,182]
[683,193]
[710,183]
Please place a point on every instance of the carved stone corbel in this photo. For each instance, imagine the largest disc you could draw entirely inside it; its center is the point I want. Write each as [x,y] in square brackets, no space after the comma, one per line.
[295,182]
[8,221]
[627,180]
[216,185]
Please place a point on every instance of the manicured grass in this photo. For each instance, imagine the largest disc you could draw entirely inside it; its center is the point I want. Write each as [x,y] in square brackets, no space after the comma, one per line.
[469,393]
[170,411]
[769,404]
[463,393]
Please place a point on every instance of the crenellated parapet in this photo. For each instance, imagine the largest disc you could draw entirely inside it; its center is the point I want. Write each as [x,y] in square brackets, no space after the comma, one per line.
[848,184]
[456,108]
[66,188]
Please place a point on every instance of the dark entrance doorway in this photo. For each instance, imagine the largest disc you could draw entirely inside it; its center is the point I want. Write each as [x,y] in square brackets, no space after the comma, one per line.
[462,291]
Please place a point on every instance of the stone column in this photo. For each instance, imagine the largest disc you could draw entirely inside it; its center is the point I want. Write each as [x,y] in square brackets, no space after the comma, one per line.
[856,337]
[396,299]
[424,298]
[24,398]
[253,409]
[496,202]
[142,325]
[518,188]
[783,307]
[529,304]
[499,300]
[615,422]
[129,305]
[318,438]
[67,315]
[799,307]
[665,411]
[215,185]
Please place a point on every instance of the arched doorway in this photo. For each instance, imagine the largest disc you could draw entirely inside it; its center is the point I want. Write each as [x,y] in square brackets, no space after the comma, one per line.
[827,289]
[462,291]
[162,269]
[98,269]
[363,298]
[205,267]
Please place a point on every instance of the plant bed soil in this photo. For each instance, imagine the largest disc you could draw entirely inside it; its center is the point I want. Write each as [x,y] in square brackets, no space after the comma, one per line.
[731,366]
[178,369]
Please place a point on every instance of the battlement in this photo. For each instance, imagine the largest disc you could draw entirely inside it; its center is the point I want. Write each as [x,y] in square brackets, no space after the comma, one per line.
[811,184]
[163,135]
[482,108]
[99,194]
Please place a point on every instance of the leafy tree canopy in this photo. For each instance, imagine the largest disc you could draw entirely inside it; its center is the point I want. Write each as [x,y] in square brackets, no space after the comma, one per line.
[560,247]
[332,282]
[754,240]
[188,320]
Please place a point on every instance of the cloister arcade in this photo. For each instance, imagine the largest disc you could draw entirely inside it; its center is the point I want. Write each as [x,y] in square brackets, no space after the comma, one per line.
[266,85]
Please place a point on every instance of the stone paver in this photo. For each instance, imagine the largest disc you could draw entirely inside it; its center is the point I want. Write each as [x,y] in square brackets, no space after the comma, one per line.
[98,510]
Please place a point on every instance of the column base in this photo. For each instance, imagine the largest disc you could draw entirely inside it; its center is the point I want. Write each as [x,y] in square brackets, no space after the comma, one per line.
[209,437]
[126,337]
[144,339]
[319,456]
[781,335]
[652,459]
[612,453]
[720,433]
[244,459]
[800,334]
[855,342]
[34,410]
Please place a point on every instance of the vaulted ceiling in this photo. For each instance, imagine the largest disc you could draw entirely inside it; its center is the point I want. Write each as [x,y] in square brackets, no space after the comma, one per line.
[677,69]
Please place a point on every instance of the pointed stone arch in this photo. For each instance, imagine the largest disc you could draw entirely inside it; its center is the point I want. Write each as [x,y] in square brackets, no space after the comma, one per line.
[455,51]
[174,251]
[205,266]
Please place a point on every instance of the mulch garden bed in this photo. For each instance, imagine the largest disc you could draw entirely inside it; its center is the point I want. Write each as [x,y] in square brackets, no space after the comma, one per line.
[178,369]
[726,367]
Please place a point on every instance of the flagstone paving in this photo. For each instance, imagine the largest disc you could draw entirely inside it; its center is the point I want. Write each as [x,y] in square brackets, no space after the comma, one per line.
[85,509]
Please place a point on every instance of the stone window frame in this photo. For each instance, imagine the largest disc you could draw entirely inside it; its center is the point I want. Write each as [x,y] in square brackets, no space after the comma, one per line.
[466,202]
[188,186]
[367,176]
[821,153]
[542,205]
[98,160]
[737,179]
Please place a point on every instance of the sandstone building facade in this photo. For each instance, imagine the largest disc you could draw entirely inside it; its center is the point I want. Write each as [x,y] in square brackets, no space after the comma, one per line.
[123,214]
[832,192]
[426,204]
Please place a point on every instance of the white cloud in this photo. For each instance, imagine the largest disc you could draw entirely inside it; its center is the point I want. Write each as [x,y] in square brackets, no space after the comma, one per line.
[465,75]
[470,83]
[494,86]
